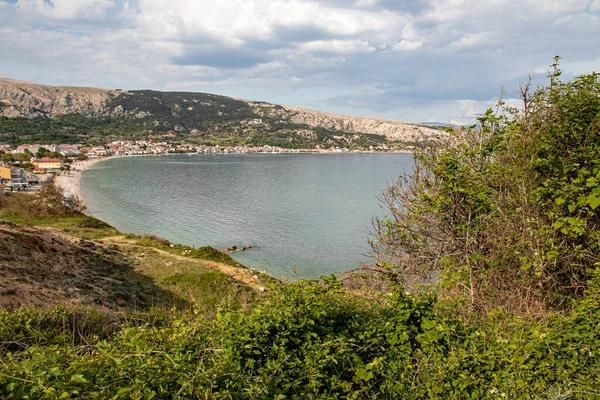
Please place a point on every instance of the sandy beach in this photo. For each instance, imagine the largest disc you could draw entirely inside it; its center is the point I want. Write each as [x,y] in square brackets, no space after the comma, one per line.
[69,183]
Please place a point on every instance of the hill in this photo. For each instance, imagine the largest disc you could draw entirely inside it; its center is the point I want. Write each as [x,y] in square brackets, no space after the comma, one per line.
[42,267]
[51,254]
[31,112]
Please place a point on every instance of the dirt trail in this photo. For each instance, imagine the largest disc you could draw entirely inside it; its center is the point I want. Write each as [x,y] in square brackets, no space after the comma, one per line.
[241,274]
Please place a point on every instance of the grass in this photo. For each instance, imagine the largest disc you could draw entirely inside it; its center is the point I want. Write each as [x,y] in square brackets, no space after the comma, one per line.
[195,280]
[209,291]
[80,225]
[202,253]
[69,325]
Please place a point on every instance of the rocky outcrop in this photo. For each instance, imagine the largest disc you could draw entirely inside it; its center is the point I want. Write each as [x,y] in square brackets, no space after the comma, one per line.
[23,99]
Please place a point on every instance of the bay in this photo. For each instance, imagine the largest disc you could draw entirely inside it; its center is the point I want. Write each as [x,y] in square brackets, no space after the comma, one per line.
[305,212]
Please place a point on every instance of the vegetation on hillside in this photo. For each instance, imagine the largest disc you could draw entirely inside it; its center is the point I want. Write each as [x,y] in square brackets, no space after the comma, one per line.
[308,340]
[188,109]
[491,257]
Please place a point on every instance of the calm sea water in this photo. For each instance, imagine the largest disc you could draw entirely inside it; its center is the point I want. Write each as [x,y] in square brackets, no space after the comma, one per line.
[308,211]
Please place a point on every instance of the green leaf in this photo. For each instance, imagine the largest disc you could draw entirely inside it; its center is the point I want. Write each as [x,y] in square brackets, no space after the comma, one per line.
[122,391]
[77,378]
[558,224]
[593,201]
[363,374]
[427,324]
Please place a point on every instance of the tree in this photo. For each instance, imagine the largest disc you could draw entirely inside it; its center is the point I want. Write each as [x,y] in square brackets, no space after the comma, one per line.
[42,152]
[7,157]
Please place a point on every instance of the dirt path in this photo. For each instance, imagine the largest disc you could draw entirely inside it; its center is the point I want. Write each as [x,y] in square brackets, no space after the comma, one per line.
[241,274]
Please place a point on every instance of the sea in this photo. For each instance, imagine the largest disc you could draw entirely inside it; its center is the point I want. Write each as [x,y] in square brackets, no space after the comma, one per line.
[305,215]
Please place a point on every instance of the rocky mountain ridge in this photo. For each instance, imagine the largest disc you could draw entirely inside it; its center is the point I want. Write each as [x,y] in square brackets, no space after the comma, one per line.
[201,115]
[24,99]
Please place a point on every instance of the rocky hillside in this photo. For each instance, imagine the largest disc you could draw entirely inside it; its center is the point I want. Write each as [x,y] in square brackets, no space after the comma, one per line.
[32,112]
[392,130]
[24,99]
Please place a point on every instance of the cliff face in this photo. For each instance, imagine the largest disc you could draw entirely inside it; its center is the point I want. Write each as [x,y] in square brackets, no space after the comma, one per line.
[23,99]
[200,114]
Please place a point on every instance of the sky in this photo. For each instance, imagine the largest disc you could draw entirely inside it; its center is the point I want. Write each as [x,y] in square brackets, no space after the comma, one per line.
[406,60]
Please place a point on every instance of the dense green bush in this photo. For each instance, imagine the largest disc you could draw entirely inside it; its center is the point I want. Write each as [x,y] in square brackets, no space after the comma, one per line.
[566,165]
[312,340]
[504,213]
[94,223]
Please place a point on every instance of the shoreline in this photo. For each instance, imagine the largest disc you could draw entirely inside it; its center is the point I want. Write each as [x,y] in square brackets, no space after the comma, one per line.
[69,183]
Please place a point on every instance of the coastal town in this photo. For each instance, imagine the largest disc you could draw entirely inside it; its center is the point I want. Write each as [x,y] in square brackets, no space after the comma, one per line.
[26,166]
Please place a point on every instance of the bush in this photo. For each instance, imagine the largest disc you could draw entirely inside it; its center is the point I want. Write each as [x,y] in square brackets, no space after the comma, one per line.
[505,213]
[317,340]
[153,240]
[93,223]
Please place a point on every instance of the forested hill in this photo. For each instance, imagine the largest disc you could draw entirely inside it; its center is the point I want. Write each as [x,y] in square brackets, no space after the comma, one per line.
[33,113]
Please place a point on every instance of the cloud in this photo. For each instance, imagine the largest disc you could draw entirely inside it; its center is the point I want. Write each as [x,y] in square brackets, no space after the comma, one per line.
[337,46]
[219,57]
[413,60]
[235,21]
[65,9]
[407,45]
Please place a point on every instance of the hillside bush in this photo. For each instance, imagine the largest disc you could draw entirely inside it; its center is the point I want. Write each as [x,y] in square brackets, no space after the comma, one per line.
[504,214]
[48,202]
[317,340]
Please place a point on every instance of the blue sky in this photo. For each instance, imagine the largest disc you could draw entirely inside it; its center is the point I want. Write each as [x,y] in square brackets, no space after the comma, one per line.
[413,60]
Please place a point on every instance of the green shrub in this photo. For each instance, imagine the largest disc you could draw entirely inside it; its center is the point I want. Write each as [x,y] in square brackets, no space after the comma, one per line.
[316,340]
[504,214]
[93,223]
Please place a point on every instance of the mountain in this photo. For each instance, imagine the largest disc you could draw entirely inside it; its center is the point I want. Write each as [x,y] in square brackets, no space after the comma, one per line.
[31,112]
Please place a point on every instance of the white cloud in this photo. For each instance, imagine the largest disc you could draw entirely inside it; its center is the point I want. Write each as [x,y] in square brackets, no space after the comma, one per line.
[468,108]
[407,45]
[337,46]
[441,59]
[236,21]
[474,40]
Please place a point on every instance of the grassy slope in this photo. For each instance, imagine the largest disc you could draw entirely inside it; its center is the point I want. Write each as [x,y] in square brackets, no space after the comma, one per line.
[181,275]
